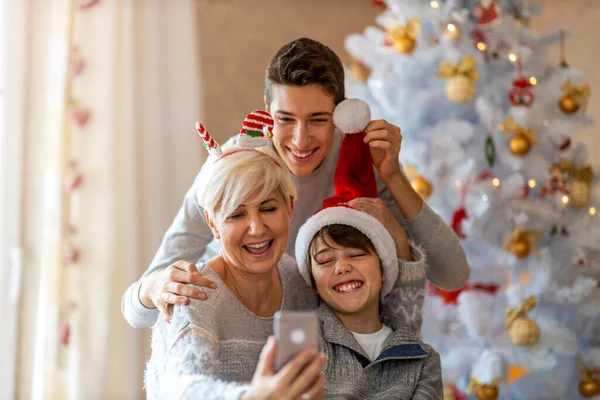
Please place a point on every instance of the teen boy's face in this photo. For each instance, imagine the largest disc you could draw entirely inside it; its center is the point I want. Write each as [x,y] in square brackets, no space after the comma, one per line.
[303,131]
[347,279]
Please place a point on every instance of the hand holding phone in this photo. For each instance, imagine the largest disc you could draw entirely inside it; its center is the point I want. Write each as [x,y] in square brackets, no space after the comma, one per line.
[301,377]
[294,331]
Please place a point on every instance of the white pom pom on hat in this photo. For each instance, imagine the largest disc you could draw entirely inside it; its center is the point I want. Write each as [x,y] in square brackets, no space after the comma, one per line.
[352,116]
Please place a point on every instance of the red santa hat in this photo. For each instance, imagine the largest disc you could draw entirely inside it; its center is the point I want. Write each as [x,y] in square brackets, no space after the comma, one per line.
[354,177]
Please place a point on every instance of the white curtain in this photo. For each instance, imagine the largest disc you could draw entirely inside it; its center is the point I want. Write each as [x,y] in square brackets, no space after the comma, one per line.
[136,155]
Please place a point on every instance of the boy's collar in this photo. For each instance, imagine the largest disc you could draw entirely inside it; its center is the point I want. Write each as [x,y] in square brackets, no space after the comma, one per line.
[335,332]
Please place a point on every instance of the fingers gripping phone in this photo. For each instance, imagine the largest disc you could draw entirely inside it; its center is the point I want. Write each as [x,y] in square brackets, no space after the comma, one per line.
[295,331]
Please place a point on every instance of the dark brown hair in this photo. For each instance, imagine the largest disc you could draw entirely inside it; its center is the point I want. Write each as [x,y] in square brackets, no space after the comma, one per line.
[345,236]
[303,62]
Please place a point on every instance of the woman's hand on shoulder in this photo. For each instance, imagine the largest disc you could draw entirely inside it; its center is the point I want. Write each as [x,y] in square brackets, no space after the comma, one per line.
[170,286]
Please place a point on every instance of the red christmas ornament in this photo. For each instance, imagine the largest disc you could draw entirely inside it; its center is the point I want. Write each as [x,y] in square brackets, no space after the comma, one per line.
[452,391]
[521,94]
[478,37]
[488,13]
[451,297]
[564,144]
[557,182]
[457,220]
[379,4]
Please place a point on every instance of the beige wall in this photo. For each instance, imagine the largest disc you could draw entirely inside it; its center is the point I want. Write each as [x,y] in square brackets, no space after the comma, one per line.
[239,37]
[582,19]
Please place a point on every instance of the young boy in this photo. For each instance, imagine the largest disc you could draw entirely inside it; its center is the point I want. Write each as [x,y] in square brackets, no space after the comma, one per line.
[353,261]
[304,83]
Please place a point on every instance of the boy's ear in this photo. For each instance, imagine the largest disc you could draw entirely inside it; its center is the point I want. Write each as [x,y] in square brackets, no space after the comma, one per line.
[266,105]
[212,226]
[383,277]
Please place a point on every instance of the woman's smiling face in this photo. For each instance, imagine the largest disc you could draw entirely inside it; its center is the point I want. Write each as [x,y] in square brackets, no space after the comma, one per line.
[253,238]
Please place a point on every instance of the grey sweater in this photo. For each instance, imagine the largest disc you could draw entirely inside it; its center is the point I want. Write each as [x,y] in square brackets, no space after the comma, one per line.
[189,238]
[211,348]
[405,369]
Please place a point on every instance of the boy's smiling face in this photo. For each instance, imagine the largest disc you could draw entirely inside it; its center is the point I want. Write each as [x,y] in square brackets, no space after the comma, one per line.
[303,131]
[347,279]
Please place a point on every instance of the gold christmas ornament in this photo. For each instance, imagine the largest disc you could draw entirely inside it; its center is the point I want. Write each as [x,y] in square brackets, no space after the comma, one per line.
[452,33]
[422,186]
[359,71]
[589,388]
[520,145]
[589,385]
[580,185]
[462,77]
[579,194]
[574,97]
[405,37]
[520,248]
[460,90]
[524,139]
[522,330]
[521,242]
[568,105]
[486,392]
[405,45]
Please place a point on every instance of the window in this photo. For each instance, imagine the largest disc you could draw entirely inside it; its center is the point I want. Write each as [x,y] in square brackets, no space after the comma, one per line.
[10,193]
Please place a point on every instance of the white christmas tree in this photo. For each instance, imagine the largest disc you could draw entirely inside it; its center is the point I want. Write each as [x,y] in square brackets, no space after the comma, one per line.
[487,122]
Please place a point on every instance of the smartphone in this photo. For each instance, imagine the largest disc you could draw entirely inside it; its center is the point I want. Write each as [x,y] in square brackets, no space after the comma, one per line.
[294,331]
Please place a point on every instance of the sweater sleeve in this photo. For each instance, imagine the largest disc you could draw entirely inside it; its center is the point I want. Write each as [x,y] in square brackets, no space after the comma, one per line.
[186,239]
[430,386]
[403,306]
[190,367]
[447,263]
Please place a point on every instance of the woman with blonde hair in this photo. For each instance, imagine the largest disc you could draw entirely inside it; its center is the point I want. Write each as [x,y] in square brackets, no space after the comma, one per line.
[210,349]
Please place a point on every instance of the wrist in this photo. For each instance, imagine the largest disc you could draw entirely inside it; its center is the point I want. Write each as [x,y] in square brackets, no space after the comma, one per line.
[404,252]
[396,178]
[143,297]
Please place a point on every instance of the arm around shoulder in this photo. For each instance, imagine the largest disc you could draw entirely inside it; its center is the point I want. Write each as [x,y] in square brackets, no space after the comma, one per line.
[135,313]
[186,239]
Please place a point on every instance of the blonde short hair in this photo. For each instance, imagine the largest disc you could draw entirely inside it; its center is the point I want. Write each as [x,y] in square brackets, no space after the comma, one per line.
[226,183]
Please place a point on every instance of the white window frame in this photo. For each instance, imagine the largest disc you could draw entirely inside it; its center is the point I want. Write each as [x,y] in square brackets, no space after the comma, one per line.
[12,41]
